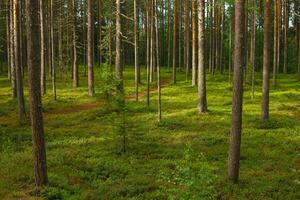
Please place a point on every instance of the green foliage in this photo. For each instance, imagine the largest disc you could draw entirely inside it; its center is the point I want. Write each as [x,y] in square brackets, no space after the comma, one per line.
[192,178]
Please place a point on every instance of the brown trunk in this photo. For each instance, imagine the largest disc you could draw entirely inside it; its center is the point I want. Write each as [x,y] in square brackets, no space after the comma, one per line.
[275,43]
[118,64]
[202,104]
[136,49]
[35,102]
[90,47]
[266,60]
[237,99]
[286,28]
[12,56]
[253,46]
[187,38]
[174,42]
[194,42]
[43,74]
[74,46]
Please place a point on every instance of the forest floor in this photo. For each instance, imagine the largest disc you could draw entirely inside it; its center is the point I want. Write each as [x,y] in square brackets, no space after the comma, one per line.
[183,157]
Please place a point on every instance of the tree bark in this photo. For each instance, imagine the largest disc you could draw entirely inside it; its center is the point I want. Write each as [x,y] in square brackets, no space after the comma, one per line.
[194,42]
[53,73]
[74,46]
[174,42]
[43,70]
[136,50]
[118,64]
[12,53]
[90,48]
[202,104]
[266,61]
[237,99]
[286,28]
[253,46]
[35,102]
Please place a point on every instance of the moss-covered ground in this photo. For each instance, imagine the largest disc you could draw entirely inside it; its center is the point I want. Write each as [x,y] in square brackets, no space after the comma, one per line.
[84,154]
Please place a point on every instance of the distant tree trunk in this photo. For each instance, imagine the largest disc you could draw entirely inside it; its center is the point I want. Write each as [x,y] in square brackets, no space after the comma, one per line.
[286,28]
[118,64]
[174,42]
[8,39]
[90,48]
[253,46]
[152,53]
[279,30]
[158,65]
[136,49]
[12,56]
[237,99]
[19,80]
[202,105]
[52,52]
[275,43]
[43,70]
[100,31]
[35,102]
[266,60]
[169,35]
[187,38]
[194,42]
[74,46]
[148,52]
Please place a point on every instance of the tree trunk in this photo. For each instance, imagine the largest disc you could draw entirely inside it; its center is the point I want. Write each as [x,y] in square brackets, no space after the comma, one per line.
[136,49]
[12,56]
[100,31]
[8,40]
[266,60]
[253,46]
[90,48]
[118,64]
[174,42]
[286,28]
[187,38]
[202,105]
[158,65]
[43,70]
[74,46]
[52,52]
[35,102]
[19,80]
[237,99]
[275,43]
[169,35]
[194,42]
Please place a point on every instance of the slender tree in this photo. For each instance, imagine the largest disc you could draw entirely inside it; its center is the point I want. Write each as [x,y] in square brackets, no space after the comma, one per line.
[53,72]
[266,60]
[174,42]
[118,62]
[74,46]
[136,49]
[194,42]
[90,47]
[202,105]
[43,46]
[237,99]
[35,102]
[18,70]
[253,46]
[286,28]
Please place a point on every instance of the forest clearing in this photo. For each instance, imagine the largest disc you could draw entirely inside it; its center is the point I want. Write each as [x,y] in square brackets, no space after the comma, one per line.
[154,99]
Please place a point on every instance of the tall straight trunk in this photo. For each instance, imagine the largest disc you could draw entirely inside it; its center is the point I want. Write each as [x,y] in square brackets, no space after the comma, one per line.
[253,46]
[53,72]
[158,64]
[19,80]
[194,42]
[286,28]
[100,31]
[237,98]
[179,13]
[151,24]
[279,33]
[49,38]
[266,60]
[118,63]
[90,47]
[275,43]
[221,61]
[12,53]
[187,38]
[35,101]
[169,35]
[202,103]
[74,46]
[148,51]
[8,39]
[136,50]
[174,42]
[210,35]
[298,38]
[43,70]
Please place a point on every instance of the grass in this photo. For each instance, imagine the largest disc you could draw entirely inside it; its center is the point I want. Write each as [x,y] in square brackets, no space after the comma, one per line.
[84,154]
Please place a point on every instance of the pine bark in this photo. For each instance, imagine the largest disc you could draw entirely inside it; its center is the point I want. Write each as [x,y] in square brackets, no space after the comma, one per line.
[136,49]
[237,99]
[202,103]
[266,60]
[90,47]
[118,62]
[194,42]
[286,28]
[174,42]
[74,46]
[43,70]
[35,102]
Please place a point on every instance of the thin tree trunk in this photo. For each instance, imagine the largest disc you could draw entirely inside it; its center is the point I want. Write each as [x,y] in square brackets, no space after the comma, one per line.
[266,60]
[100,31]
[237,99]
[19,80]
[90,48]
[202,103]
[52,52]
[43,70]
[12,56]
[187,38]
[194,42]
[74,46]
[174,42]
[35,102]
[169,35]
[118,64]
[136,50]
[275,43]
[253,46]
[8,40]
[286,28]
[158,66]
